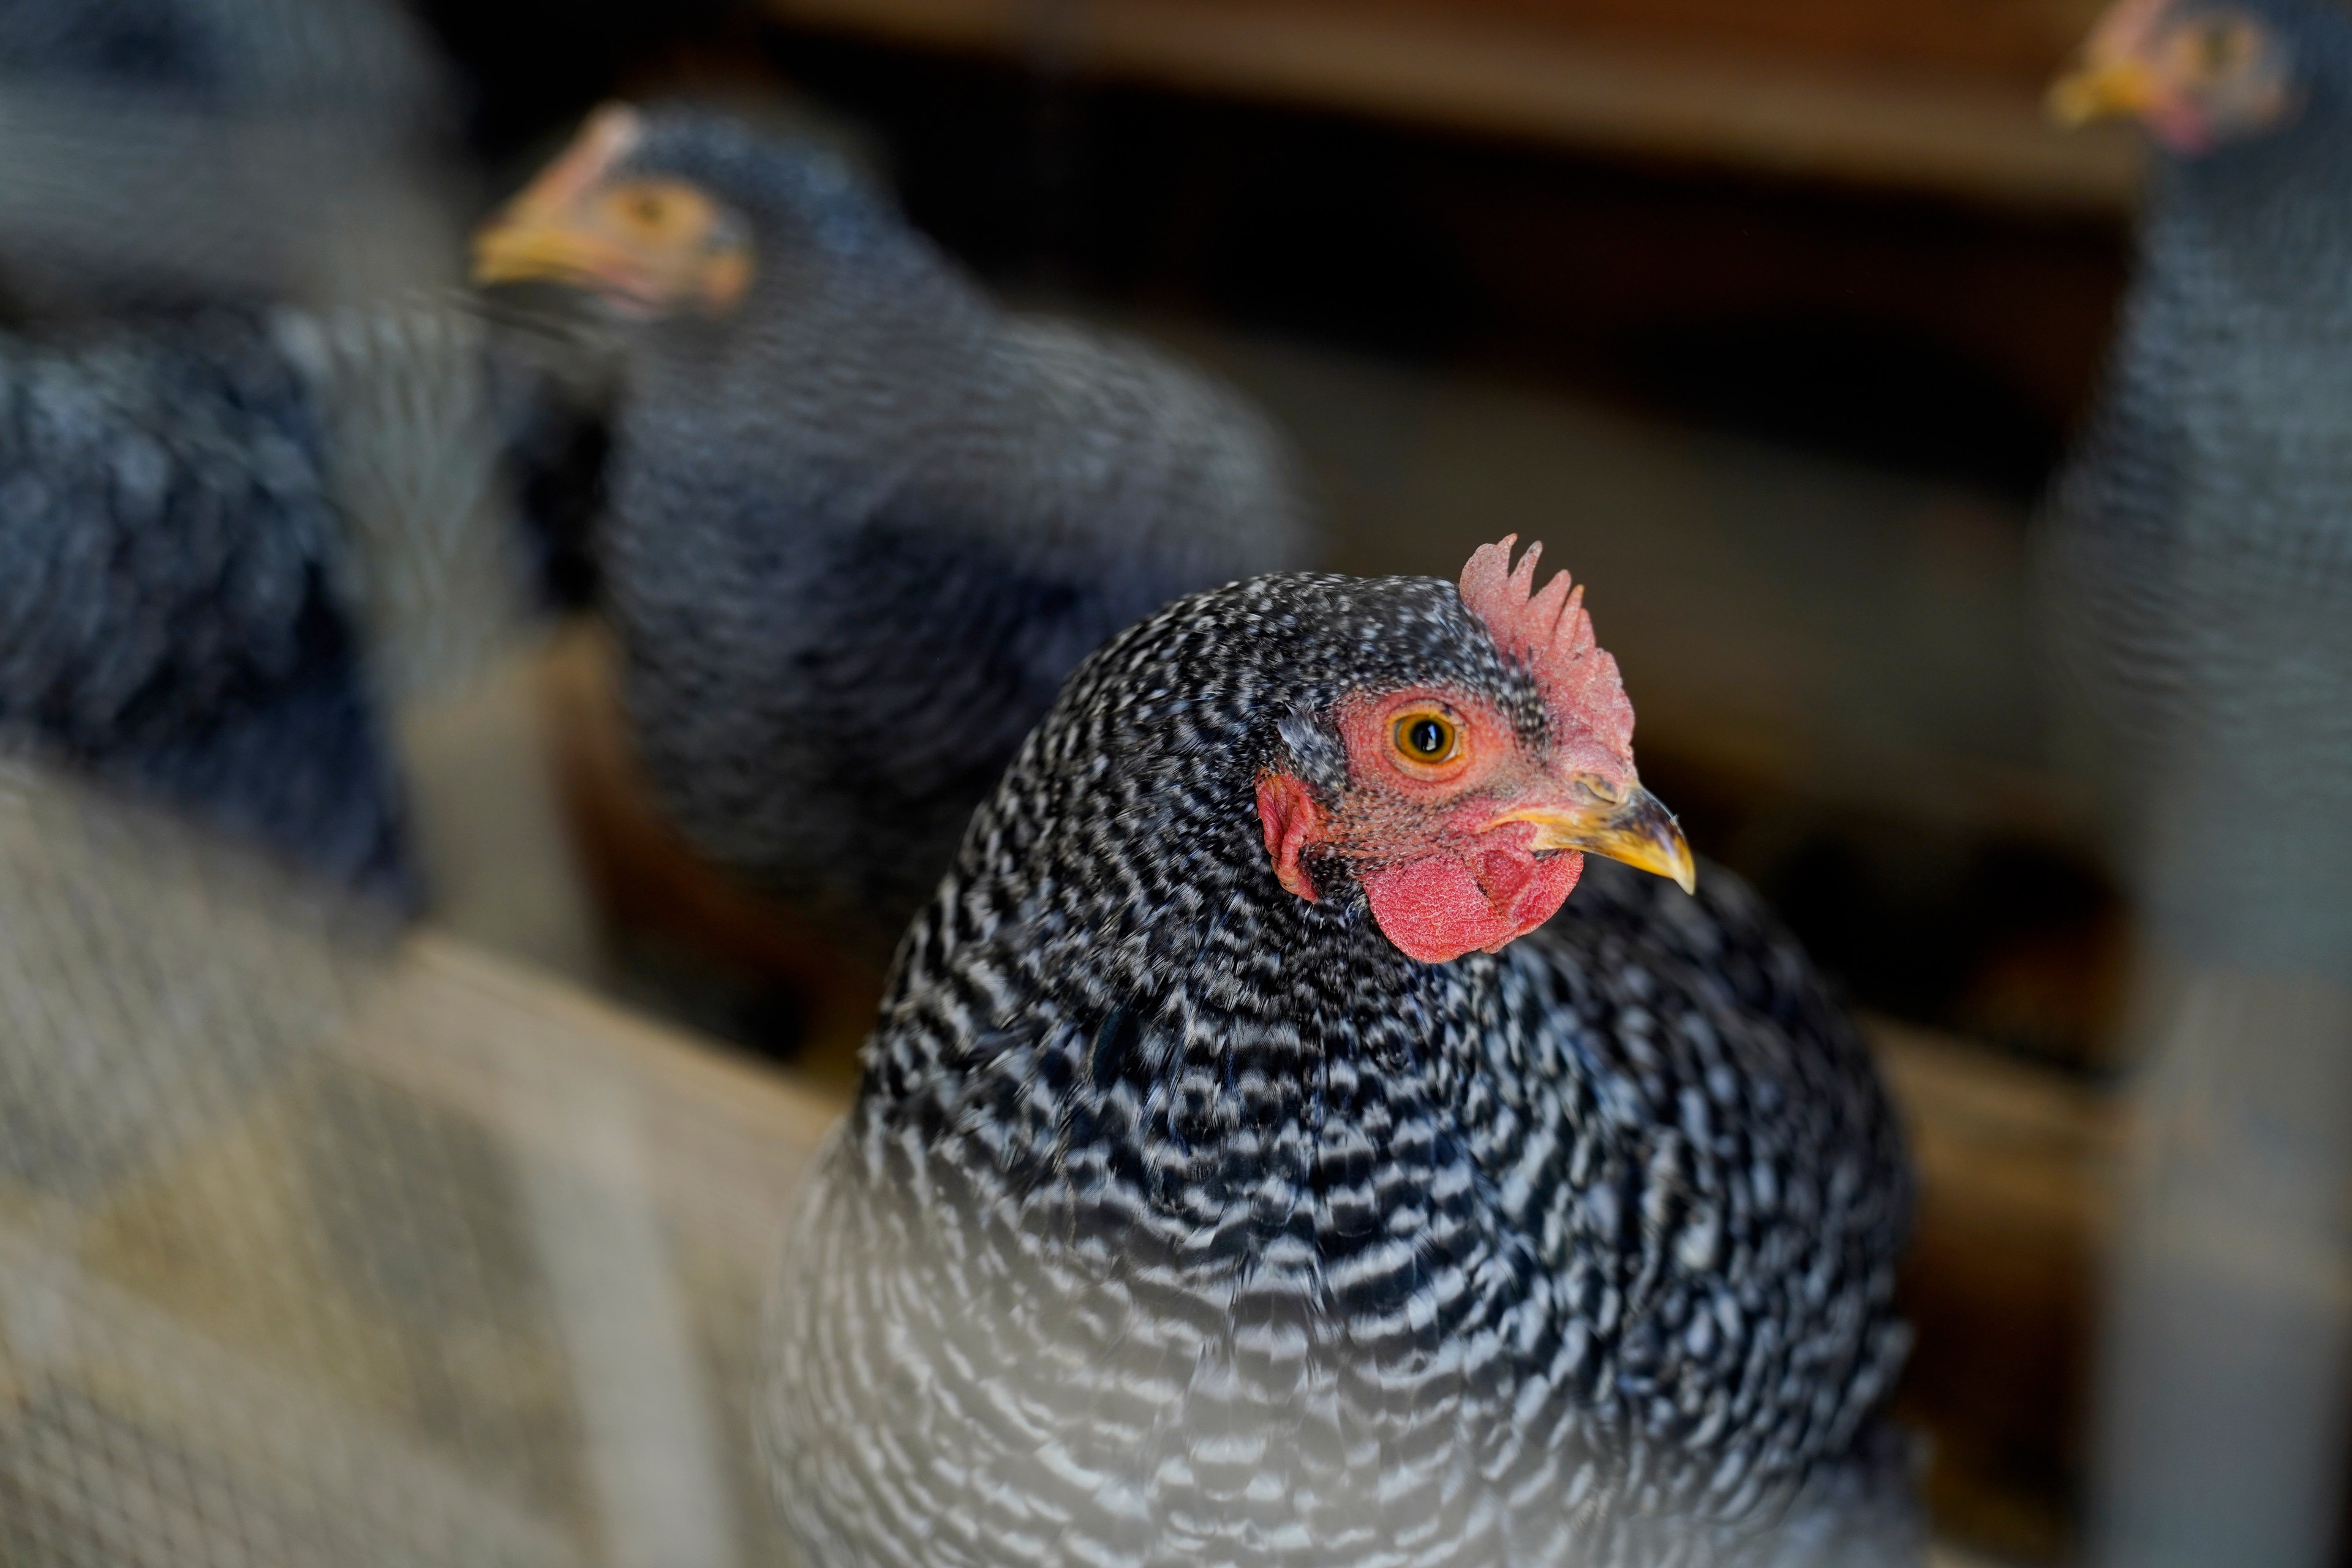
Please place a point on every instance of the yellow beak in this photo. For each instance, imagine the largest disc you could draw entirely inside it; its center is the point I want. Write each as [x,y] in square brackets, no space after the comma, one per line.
[521,248]
[2102,90]
[1620,823]
[537,234]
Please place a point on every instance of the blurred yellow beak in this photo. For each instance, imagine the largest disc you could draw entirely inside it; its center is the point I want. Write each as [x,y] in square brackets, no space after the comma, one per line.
[2102,91]
[540,233]
[519,248]
[1627,824]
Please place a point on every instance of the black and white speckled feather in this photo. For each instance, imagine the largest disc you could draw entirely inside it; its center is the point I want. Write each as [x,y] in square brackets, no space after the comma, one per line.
[864,527]
[1181,1220]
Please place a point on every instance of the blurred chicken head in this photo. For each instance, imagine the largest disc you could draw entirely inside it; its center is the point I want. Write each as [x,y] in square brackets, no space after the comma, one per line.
[648,246]
[2197,75]
[1465,831]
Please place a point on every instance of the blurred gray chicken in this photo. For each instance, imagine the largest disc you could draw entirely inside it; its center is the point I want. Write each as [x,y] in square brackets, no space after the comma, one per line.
[864,521]
[2199,555]
[2200,543]
[252,492]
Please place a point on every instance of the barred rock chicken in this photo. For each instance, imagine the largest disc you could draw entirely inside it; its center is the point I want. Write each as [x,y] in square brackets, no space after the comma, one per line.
[863,522]
[2201,542]
[1245,1172]
[240,512]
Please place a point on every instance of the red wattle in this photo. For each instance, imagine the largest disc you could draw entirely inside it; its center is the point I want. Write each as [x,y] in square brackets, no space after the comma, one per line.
[1441,906]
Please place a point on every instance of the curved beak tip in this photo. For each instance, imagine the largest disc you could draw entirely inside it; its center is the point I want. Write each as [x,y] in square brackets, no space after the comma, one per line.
[2070,103]
[1670,855]
[2096,92]
[1636,830]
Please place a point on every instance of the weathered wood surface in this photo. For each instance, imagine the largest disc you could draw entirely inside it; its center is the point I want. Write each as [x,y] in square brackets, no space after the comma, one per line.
[1946,100]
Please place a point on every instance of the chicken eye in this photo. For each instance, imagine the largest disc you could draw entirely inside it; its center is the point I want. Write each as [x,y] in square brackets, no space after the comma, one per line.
[1426,737]
[650,211]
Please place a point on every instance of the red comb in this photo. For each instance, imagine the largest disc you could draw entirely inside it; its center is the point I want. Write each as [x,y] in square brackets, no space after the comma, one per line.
[1552,635]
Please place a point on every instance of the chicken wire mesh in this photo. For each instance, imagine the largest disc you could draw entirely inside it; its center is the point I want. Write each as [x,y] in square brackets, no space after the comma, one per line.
[322,1243]
[319,1242]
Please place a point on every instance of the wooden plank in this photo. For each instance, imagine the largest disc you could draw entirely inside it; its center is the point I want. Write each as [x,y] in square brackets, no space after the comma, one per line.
[2016,1169]
[1498,75]
[725,1139]
[2021,41]
[2001,1135]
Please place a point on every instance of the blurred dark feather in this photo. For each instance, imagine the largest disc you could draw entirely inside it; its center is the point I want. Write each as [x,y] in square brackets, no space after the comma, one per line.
[194,152]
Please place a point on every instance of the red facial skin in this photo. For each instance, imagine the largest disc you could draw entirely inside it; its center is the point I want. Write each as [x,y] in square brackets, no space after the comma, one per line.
[1441,875]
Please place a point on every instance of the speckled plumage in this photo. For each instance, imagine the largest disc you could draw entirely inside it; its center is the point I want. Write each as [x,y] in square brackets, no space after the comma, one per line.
[864,527]
[231,541]
[169,609]
[1181,1220]
[2198,548]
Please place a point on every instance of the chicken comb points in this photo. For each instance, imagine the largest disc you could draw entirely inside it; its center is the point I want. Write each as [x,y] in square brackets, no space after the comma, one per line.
[1552,635]
[608,136]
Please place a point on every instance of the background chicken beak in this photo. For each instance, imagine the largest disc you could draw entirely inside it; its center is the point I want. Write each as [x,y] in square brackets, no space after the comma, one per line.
[2102,91]
[1635,828]
[536,235]
[520,249]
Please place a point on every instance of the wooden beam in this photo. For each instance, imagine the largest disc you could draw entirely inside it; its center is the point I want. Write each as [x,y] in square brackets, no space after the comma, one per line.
[1506,77]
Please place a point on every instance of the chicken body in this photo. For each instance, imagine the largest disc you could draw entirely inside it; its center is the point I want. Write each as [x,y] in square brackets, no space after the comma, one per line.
[2199,558]
[232,541]
[865,521]
[359,59]
[2199,545]
[1184,1220]
[171,617]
